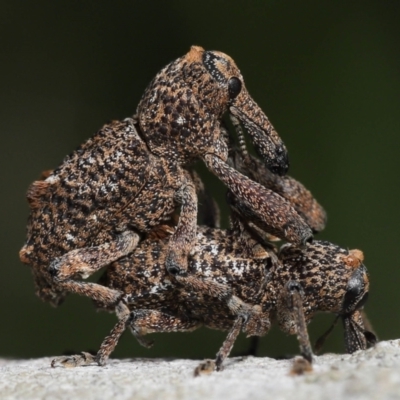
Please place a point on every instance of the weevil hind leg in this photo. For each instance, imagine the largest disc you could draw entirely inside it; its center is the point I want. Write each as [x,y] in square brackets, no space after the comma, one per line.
[106,348]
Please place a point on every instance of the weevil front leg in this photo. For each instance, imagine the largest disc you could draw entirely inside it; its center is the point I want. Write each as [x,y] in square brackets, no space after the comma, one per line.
[293,191]
[292,319]
[181,242]
[276,215]
[85,261]
[253,322]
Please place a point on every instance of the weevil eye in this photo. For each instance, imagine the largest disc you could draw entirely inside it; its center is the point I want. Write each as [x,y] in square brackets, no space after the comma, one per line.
[356,294]
[234,87]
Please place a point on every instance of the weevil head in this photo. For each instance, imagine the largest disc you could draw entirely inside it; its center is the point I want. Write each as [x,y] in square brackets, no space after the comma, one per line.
[182,109]
[239,103]
[335,280]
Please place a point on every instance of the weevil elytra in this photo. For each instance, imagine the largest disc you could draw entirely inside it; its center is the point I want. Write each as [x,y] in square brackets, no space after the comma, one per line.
[129,177]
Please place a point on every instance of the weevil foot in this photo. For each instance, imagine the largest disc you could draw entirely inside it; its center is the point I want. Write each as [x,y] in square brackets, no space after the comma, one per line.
[77,360]
[205,368]
[300,366]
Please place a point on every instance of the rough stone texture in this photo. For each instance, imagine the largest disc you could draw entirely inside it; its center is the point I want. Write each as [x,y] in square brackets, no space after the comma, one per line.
[371,374]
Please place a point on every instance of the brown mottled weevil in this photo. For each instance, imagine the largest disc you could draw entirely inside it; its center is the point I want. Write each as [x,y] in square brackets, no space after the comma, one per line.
[287,289]
[250,285]
[130,176]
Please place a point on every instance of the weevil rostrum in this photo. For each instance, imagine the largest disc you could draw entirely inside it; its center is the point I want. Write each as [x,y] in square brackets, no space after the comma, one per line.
[131,175]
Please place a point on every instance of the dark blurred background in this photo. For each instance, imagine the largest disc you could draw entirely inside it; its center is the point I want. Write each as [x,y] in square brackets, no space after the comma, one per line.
[327,73]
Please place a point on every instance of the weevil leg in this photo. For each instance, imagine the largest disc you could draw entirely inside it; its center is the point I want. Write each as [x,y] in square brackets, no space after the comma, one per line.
[274,213]
[293,294]
[291,190]
[209,365]
[219,291]
[182,240]
[106,348]
[110,342]
[226,347]
[85,261]
[142,322]
[77,360]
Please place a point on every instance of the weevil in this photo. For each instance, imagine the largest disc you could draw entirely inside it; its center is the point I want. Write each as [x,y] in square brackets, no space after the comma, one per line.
[131,175]
[240,283]
[287,288]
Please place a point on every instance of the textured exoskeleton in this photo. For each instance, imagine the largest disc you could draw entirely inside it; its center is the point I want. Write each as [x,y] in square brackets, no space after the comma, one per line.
[239,282]
[130,176]
[287,288]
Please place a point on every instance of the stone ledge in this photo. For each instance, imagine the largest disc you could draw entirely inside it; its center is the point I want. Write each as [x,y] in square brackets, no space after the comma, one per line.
[370,374]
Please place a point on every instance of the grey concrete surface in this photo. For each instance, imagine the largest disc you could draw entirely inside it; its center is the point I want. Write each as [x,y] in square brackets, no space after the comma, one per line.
[371,374]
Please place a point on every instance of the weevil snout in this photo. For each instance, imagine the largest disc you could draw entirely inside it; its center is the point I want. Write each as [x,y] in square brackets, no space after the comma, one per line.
[265,139]
[356,337]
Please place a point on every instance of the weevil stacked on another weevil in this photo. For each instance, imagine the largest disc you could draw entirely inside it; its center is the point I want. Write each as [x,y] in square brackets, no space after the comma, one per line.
[112,203]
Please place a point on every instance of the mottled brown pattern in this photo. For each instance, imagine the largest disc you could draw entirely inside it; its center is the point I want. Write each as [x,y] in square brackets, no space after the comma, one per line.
[180,116]
[226,267]
[181,110]
[285,290]
[129,178]
[89,211]
[291,190]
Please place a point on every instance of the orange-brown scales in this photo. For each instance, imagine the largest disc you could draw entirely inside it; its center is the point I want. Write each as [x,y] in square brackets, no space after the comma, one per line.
[288,288]
[129,177]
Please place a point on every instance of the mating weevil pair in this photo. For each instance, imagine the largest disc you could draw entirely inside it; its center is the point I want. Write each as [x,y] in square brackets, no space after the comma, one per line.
[254,286]
[130,176]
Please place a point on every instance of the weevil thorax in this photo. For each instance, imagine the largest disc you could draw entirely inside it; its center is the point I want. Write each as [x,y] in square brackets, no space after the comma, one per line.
[180,111]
